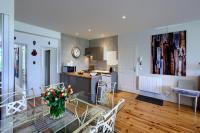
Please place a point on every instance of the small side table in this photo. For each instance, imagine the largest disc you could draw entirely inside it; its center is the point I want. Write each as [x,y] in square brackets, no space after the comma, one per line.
[187,93]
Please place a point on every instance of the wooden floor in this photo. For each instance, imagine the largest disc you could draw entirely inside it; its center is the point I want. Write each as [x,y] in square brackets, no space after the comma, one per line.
[141,117]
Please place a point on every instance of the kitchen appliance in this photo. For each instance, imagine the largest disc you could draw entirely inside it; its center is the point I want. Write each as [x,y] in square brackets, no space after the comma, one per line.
[69,68]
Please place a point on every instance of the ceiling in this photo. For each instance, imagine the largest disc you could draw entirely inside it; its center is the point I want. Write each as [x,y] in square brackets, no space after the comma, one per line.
[104,17]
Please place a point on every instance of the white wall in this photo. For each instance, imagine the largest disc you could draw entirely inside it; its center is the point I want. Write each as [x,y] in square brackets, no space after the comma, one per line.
[25,36]
[7,7]
[32,29]
[134,45]
[68,42]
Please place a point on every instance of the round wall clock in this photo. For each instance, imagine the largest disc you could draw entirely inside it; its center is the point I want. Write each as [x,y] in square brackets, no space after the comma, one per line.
[76,52]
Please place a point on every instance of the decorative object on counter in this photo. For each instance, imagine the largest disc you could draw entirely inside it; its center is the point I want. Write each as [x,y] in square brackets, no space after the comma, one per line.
[81,72]
[76,52]
[34,52]
[55,96]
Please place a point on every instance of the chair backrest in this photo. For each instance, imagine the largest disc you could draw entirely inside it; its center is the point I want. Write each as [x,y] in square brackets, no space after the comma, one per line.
[43,88]
[113,85]
[102,84]
[106,122]
[13,107]
[102,90]
[186,84]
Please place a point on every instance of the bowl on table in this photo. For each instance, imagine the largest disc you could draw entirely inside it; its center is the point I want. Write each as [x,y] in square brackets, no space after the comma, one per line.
[81,72]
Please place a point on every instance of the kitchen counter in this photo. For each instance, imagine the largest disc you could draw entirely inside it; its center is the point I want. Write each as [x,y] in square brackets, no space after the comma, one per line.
[82,83]
[86,83]
[84,75]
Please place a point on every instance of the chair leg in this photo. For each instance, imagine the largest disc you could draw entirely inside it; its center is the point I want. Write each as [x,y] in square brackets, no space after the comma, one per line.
[179,100]
[97,96]
[113,94]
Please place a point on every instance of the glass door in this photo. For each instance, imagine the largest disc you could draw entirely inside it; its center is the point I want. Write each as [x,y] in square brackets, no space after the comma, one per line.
[4,59]
[1,51]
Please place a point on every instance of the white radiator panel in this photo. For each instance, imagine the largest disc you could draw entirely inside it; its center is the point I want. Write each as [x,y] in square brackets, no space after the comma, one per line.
[150,84]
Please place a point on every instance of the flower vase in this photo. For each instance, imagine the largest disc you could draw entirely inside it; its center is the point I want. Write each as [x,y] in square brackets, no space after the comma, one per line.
[57,112]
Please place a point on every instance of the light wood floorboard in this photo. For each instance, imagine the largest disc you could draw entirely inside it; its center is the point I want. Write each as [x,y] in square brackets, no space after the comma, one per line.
[141,117]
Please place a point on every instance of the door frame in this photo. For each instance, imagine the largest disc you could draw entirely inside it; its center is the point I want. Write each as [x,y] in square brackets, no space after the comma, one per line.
[43,63]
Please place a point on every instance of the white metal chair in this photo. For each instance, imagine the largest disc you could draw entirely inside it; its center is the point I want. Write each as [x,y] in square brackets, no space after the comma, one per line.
[106,122]
[43,88]
[103,93]
[11,107]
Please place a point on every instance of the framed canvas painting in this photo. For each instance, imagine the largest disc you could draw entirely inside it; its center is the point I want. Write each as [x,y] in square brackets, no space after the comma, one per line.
[168,53]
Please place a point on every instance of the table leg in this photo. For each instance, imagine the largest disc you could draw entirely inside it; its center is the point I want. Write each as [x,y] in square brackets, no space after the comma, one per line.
[195,107]
[84,115]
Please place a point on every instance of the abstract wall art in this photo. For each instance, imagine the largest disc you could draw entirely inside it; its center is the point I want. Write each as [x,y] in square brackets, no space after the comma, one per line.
[168,53]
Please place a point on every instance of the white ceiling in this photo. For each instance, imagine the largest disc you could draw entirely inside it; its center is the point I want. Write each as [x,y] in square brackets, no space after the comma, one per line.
[104,16]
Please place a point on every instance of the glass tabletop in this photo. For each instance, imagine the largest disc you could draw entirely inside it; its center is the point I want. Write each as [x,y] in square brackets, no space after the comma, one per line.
[78,114]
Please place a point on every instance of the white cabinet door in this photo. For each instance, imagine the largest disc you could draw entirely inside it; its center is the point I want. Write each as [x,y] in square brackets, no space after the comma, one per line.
[127,63]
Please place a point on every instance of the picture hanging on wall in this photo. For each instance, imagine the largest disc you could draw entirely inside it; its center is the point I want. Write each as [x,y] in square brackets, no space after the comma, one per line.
[168,53]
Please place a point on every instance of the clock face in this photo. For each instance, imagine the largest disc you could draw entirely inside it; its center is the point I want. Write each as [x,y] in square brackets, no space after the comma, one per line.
[76,52]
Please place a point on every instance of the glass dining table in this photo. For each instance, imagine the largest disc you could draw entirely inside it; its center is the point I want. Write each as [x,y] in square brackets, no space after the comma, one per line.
[78,114]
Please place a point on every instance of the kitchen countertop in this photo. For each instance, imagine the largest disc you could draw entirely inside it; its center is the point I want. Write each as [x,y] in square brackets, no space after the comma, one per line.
[101,71]
[84,75]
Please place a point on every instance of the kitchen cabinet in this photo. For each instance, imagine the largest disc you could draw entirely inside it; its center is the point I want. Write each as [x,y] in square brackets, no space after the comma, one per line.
[97,53]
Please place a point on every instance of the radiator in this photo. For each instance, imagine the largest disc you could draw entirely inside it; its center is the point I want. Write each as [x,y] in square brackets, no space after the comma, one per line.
[150,84]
